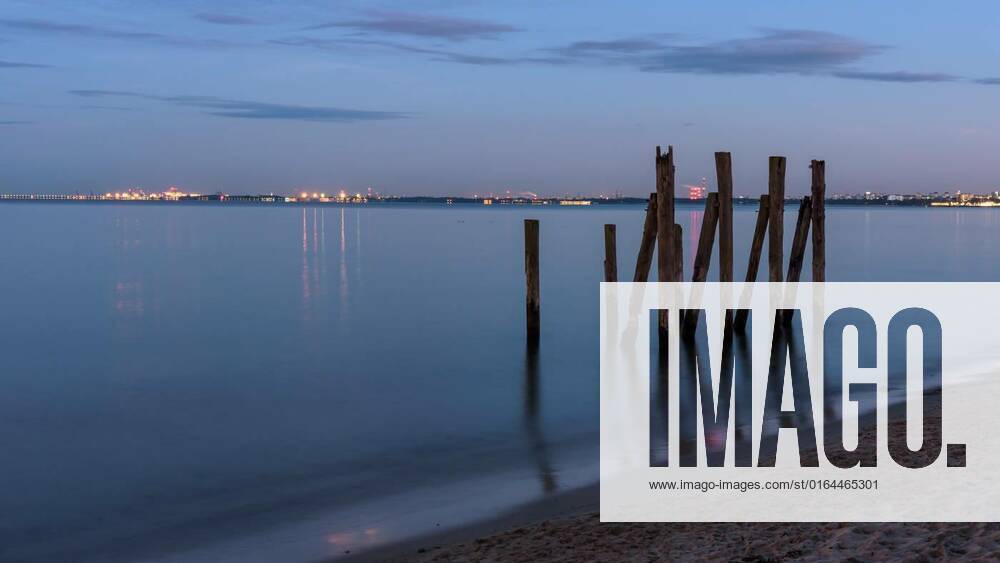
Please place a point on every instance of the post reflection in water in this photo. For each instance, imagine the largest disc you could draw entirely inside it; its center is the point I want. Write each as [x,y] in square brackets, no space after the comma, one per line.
[306,286]
[532,424]
[128,300]
[659,404]
[313,260]
[357,246]
[343,265]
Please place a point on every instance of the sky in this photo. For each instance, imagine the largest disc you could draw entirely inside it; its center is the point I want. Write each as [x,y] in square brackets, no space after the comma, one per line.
[457,97]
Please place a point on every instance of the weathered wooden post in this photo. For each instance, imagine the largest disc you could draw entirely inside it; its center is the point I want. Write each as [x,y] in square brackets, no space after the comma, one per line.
[532,300]
[645,257]
[724,174]
[706,239]
[776,217]
[757,243]
[703,255]
[664,227]
[756,248]
[610,254]
[818,220]
[799,240]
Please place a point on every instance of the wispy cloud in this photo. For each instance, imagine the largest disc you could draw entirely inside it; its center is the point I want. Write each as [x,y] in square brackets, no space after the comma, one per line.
[103,107]
[16,122]
[896,76]
[988,81]
[772,51]
[422,25]
[48,27]
[225,19]
[245,109]
[433,54]
[10,64]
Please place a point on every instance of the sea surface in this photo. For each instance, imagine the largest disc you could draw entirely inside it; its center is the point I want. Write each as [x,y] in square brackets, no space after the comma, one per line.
[203,382]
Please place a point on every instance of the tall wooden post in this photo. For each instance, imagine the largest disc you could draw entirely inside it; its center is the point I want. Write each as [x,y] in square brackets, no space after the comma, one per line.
[757,243]
[776,217]
[818,220]
[664,226]
[648,243]
[706,239]
[610,254]
[703,255]
[724,174]
[756,248]
[799,241]
[532,300]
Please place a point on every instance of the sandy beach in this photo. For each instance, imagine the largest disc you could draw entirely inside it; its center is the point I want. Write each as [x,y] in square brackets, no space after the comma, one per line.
[567,527]
[584,538]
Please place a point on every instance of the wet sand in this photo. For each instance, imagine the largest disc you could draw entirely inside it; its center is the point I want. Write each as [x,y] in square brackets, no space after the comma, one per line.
[566,527]
[584,538]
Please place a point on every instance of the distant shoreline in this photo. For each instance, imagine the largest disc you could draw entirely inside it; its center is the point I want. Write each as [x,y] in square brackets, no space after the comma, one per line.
[270,200]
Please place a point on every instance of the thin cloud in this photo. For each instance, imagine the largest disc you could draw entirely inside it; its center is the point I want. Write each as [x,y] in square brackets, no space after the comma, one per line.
[896,76]
[245,109]
[11,64]
[445,55]
[422,25]
[225,19]
[82,30]
[988,81]
[620,46]
[16,122]
[108,108]
[774,51]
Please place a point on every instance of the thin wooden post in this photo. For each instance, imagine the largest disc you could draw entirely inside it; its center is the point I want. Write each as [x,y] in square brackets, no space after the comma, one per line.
[610,254]
[818,220]
[703,256]
[532,301]
[724,174]
[664,224]
[756,248]
[645,258]
[757,244]
[776,217]
[799,240]
[706,239]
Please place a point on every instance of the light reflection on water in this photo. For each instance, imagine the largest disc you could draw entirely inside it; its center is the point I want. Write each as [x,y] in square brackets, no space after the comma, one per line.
[207,361]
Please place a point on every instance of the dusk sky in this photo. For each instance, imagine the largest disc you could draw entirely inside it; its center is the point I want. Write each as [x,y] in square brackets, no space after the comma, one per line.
[463,97]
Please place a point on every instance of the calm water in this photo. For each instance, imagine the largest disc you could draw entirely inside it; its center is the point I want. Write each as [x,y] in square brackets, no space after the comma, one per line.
[208,382]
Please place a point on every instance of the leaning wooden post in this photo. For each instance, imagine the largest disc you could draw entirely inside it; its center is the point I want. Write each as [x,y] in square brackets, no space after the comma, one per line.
[799,240]
[645,258]
[703,256]
[724,174]
[756,248]
[664,227]
[706,239]
[532,301]
[757,243]
[776,217]
[819,220]
[610,255]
